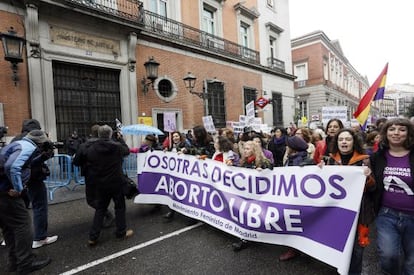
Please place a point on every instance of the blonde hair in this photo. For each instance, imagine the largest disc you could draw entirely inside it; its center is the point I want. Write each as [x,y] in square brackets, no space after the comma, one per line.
[257,152]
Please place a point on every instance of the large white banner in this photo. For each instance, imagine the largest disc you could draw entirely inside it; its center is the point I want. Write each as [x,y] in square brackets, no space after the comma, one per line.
[311,209]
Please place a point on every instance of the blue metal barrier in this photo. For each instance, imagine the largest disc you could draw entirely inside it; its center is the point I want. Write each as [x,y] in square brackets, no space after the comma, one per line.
[60,167]
[77,176]
[62,172]
[129,166]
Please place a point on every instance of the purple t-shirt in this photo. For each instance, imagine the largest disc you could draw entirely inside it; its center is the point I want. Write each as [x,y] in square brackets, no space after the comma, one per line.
[398,184]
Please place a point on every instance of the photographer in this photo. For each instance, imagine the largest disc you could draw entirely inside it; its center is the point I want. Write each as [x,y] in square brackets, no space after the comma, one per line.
[14,217]
[37,190]
[39,171]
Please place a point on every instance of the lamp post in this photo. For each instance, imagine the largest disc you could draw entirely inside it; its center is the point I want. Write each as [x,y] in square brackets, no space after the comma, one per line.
[189,82]
[151,69]
[13,50]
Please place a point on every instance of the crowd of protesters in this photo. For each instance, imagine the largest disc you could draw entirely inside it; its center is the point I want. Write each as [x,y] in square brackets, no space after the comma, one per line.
[386,150]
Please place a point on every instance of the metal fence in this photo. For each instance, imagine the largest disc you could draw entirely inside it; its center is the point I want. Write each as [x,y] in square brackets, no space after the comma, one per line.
[63,174]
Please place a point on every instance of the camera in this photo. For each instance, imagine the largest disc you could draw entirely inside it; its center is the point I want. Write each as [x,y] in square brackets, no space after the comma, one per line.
[58,144]
[50,145]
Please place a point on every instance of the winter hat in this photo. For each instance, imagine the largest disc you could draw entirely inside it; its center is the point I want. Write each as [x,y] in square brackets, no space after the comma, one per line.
[296,143]
[37,136]
[30,124]
[151,138]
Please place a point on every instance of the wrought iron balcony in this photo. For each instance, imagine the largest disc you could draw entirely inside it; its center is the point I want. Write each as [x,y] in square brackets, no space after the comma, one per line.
[276,64]
[133,12]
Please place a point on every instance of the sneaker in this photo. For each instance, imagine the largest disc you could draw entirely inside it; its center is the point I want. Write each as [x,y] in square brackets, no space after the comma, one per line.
[92,242]
[36,265]
[129,233]
[3,243]
[48,240]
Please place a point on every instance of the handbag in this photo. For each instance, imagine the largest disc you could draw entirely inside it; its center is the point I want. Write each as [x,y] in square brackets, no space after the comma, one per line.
[129,187]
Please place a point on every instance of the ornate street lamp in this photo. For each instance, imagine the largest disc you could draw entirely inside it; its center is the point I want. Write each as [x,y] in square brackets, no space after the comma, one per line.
[13,50]
[151,69]
[189,82]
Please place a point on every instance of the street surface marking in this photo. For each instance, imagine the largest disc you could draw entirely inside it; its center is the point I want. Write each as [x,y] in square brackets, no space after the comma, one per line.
[128,250]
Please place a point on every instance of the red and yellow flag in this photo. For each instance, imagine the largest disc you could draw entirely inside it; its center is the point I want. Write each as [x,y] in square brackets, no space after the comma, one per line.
[375,92]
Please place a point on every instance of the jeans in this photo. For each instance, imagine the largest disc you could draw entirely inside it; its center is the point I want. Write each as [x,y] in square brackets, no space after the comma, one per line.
[355,267]
[38,196]
[395,241]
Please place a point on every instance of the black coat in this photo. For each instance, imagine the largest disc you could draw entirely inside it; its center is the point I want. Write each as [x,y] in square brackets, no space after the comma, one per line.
[103,159]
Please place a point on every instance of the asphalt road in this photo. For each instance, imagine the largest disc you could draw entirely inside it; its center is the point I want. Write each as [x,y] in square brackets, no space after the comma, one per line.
[160,247]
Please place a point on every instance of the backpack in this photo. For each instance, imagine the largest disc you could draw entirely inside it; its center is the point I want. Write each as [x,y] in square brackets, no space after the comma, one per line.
[4,180]
[4,156]
[3,160]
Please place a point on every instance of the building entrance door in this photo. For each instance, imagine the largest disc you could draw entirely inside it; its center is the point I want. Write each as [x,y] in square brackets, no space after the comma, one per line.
[84,95]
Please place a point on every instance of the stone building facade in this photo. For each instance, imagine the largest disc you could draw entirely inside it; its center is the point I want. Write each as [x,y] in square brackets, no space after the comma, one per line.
[84,63]
[325,77]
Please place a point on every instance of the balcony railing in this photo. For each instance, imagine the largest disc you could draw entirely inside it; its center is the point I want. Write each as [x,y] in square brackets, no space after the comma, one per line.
[276,64]
[133,11]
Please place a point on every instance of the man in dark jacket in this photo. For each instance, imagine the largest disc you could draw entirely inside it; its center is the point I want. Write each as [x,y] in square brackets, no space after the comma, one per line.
[104,165]
[14,217]
[90,187]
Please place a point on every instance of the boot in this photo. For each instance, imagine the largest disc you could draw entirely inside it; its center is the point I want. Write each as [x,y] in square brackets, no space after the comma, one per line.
[288,255]
[240,245]
[169,215]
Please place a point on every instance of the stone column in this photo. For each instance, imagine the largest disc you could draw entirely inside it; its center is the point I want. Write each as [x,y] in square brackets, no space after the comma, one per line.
[37,93]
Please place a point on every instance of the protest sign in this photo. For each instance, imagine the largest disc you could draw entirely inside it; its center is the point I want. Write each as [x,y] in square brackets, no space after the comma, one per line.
[169,122]
[209,124]
[311,209]
[330,112]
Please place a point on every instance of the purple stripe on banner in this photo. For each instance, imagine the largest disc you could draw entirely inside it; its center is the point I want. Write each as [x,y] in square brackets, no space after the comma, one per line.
[329,226]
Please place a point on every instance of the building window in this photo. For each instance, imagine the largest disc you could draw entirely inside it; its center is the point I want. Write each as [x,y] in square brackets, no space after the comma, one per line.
[277,109]
[303,109]
[159,7]
[244,34]
[208,23]
[249,94]
[272,47]
[325,70]
[270,3]
[216,103]
[301,71]
[165,88]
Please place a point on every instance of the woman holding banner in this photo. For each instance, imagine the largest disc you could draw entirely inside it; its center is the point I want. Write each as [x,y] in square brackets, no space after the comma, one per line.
[178,143]
[253,158]
[347,149]
[296,155]
[393,168]
[203,145]
[224,151]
